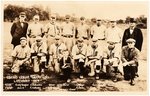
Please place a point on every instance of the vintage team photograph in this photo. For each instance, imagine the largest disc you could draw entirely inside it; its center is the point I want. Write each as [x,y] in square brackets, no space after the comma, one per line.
[75,46]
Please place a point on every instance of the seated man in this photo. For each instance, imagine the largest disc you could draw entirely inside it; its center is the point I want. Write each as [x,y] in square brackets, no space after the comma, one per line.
[79,56]
[111,61]
[66,65]
[20,55]
[55,52]
[38,55]
[94,55]
[130,57]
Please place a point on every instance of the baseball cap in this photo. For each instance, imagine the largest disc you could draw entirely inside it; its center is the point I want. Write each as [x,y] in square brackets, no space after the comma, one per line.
[57,37]
[38,38]
[67,16]
[36,17]
[22,14]
[94,39]
[110,42]
[82,18]
[98,19]
[80,39]
[53,16]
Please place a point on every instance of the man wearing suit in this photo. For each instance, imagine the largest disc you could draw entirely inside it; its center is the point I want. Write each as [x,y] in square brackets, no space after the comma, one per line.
[19,29]
[135,33]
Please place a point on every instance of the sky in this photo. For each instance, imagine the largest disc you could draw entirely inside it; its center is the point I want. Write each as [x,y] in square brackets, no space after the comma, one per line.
[98,9]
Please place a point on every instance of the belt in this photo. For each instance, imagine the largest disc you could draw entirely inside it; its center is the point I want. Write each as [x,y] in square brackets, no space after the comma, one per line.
[68,36]
[20,58]
[51,35]
[85,38]
[102,39]
[32,36]
[114,42]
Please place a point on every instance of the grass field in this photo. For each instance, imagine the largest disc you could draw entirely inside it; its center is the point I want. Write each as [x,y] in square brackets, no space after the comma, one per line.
[122,86]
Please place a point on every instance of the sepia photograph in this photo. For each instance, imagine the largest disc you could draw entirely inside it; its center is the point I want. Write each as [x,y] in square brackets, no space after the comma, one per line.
[75,46]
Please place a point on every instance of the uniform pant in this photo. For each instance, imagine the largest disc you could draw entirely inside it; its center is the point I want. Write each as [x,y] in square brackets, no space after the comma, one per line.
[95,66]
[38,63]
[102,44]
[80,65]
[31,41]
[111,66]
[49,40]
[69,42]
[16,65]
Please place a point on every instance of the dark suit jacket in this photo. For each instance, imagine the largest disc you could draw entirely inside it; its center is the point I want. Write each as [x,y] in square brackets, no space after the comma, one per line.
[17,31]
[137,35]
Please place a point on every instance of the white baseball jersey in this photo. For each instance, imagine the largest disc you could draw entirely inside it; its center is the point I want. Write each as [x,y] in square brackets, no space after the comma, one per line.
[21,52]
[76,51]
[68,28]
[98,31]
[35,29]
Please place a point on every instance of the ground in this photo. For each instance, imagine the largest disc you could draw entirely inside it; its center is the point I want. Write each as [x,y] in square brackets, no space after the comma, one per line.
[52,83]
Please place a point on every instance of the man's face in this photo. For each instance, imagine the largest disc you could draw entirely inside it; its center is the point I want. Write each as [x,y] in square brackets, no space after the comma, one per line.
[67,19]
[113,24]
[94,43]
[82,21]
[22,18]
[57,41]
[39,42]
[111,46]
[36,20]
[131,44]
[98,22]
[80,43]
[53,19]
[23,43]
[132,25]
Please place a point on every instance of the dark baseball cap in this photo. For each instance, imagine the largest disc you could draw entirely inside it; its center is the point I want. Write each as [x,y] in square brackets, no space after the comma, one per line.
[67,16]
[82,18]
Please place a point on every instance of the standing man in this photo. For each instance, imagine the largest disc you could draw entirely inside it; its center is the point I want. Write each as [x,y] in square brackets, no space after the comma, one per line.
[35,29]
[114,34]
[94,56]
[51,30]
[130,57]
[56,53]
[79,56]
[19,29]
[133,32]
[98,31]
[20,55]
[68,32]
[82,30]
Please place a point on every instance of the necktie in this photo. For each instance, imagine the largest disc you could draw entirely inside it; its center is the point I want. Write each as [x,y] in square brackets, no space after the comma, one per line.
[22,24]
